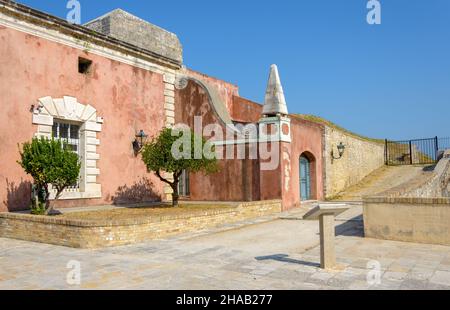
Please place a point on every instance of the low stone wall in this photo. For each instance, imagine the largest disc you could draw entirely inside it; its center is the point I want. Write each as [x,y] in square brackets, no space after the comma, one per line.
[361,157]
[97,234]
[421,220]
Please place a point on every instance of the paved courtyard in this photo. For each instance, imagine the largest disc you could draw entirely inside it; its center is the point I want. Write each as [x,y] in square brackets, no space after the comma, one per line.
[277,254]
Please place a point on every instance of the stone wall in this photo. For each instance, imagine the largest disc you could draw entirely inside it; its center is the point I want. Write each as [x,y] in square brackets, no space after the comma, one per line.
[421,220]
[438,184]
[97,234]
[131,29]
[361,157]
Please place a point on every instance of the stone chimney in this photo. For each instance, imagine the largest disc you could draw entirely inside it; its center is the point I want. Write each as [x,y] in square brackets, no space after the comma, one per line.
[274,102]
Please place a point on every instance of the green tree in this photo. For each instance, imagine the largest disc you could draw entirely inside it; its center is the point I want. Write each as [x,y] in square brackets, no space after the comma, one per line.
[173,151]
[50,162]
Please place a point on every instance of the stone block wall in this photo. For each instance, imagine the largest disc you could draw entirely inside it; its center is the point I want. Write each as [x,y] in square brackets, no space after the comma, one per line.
[133,30]
[421,220]
[361,157]
[98,234]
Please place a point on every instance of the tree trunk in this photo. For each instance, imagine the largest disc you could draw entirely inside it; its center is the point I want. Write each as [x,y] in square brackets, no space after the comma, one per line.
[48,207]
[36,196]
[175,195]
[173,185]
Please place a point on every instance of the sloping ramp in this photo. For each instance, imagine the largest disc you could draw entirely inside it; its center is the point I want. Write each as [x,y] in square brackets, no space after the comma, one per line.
[381,180]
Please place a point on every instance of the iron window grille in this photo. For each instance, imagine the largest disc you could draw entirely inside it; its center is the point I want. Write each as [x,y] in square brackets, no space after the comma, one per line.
[69,133]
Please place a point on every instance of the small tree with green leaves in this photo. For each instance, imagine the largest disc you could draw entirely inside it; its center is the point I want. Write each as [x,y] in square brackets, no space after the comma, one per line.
[176,150]
[50,161]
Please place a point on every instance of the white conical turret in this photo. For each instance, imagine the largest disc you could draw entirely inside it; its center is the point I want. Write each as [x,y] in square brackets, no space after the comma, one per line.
[274,102]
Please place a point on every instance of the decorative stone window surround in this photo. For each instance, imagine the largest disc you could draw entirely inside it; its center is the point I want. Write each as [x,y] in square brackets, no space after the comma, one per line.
[70,110]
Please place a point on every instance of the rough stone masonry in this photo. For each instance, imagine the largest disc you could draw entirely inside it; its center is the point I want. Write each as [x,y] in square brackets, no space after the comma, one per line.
[131,29]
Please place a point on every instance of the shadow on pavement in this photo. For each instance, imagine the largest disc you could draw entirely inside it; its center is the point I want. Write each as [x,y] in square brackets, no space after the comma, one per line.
[285,258]
[353,227]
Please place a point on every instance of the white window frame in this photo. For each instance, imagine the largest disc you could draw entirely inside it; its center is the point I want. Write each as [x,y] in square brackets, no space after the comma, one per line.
[68,109]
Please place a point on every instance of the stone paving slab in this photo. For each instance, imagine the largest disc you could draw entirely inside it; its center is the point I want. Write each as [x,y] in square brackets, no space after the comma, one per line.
[276,254]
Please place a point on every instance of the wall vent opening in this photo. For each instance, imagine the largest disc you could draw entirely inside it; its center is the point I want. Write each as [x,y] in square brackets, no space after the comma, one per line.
[84,65]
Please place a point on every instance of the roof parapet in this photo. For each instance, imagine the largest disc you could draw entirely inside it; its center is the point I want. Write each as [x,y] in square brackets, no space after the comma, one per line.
[126,27]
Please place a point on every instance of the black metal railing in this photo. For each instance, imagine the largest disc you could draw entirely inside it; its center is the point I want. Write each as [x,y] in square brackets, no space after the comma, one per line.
[412,152]
[443,144]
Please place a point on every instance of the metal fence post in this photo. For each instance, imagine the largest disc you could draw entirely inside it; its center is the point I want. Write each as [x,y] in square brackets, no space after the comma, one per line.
[410,152]
[386,153]
[436,139]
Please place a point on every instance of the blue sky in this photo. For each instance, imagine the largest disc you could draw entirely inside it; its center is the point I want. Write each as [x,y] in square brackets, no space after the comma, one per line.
[386,81]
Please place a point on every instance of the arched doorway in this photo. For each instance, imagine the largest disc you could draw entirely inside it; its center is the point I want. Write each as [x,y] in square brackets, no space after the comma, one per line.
[305,178]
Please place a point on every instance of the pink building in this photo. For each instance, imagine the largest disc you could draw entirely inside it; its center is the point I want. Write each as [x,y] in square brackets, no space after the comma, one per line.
[100,84]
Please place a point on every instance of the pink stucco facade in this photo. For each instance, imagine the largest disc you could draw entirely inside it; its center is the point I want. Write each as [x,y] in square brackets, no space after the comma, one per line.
[241,180]
[128,98]
[307,140]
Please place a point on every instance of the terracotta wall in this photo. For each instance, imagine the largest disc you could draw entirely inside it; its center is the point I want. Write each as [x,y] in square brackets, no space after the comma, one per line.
[237,180]
[226,90]
[242,180]
[245,111]
[128,98]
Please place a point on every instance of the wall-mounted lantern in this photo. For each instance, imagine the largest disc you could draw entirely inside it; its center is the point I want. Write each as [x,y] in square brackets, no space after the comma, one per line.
[341,150]
[139,141]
